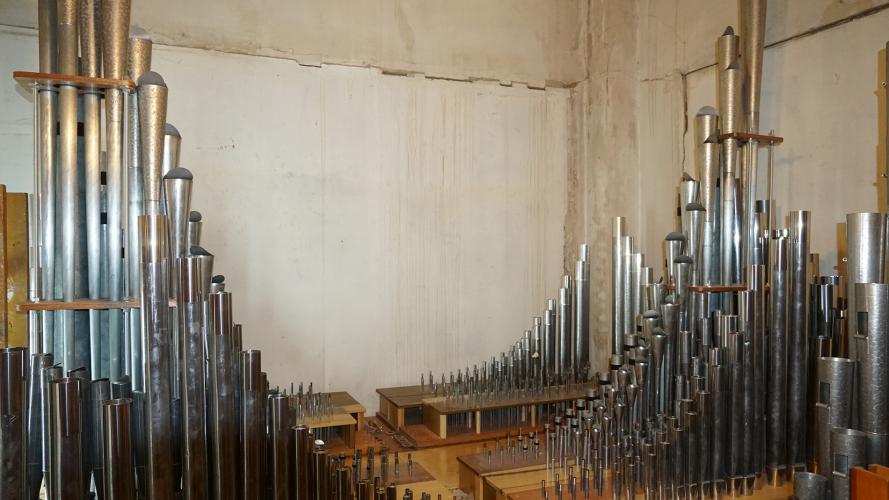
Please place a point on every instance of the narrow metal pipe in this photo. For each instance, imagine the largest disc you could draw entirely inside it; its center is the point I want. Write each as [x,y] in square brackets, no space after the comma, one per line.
[797,335]
[752,28]
[776,406]
[707,164]
[37,421]
[193,396]
[117,441]
[582,313]
[138,63]
[550,344]
[152,119]
[299,464]
[68,179]
[193,237]
[222,421]
[319,471]
[100,392]
[14,428]
[155,258]
[566,330]
[617,327]
[66,469]
[253,426]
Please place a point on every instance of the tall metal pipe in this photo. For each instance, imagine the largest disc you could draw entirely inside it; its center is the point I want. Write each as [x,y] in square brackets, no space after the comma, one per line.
[138,62]
[68,180]
[152,120]
[100,392]
[550,343]
[866,252]
[706,127]
[300,462]
[222,420]
[797,335]
[115,29]
[193,396]
[617,327]
[752,28]
[155,258]
[871,346]
[582,313]
[13,423]
[117,449]
[67,481]
[253,425]
[279,429]
[37,421]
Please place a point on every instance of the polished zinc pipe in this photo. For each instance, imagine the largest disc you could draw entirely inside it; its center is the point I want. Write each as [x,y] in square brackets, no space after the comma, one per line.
[115,27]
[674,246]
[637,262]
[138,63]
[300,463]
[90,65]
[809,486]
[67,481]
[776,405]
[730,77]
[582,313]
[190,307]
[550,345]
[117,449]
[155,258]
[707,165]
[49,374]
[45,174]
[871,346]
[222,422]
[279,436]
[835,379]
[797,335]
[13,423]
[170,160]
[565,331]
[68,181]
[100,392]
[752,28]
[177,182]
[193,238]
[252,426]
[849,449]
[866,251]
[618,228]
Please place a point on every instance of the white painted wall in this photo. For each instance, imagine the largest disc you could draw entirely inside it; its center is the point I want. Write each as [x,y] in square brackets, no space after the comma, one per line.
[359,218]
[649,74]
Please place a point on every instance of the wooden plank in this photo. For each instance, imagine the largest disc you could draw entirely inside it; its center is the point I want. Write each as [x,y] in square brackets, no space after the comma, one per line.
[337,419]
[879,470]
[470,482]
[551,395]
[747,136]
[865,485]
[406,396]
[17,267]
[436,421]
[84,83]
[78,305]
[4,311]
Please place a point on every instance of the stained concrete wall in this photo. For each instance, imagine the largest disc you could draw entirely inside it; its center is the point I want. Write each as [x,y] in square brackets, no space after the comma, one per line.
[532,41]
[650,67]
[360,218]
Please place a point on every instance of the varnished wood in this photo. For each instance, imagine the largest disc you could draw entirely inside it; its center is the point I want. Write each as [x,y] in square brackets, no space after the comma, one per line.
[879,470]
[552,395]
[746,136]
[865,485]
[78,305]
[84,83]
[16,267]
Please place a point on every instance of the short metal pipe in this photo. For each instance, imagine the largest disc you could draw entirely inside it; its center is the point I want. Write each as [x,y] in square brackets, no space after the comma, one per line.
[117,449]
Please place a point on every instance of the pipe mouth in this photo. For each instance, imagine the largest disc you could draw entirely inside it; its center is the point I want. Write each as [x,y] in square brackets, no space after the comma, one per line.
[675,236]
[170,129]
[686,177]
[179,173]
[217,279]
[682,259]
[695,207]
[707,111]
[194,216]
[138,32]
[651,314]
[151,78]
[728,31]
[199,251]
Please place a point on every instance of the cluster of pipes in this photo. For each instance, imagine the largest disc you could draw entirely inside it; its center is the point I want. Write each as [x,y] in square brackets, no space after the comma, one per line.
[158,401]
[554,352]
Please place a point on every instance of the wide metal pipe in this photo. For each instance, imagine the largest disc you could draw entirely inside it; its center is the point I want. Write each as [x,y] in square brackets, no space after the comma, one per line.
[155,258]
[797,335]
[319,471]
[836,382]
[849,449]
[865,260]
[138,63]
[617,281]
[279,428]
[193,395]
[117,441]
[152,119]
[100,392]
[871,347]
[67,481]
[752,28]
[68,179]
[252,424]
[222,420]
[706,140]
[582,313]
[809,486]
[13,423]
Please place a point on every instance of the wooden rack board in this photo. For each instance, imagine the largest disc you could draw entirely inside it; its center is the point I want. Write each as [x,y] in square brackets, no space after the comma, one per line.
[347,418]
[28,79]
[746,136]
[78,305]
[395,401]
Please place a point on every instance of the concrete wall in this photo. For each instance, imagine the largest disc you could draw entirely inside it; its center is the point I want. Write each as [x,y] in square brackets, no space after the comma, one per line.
[650,67]
[360,218]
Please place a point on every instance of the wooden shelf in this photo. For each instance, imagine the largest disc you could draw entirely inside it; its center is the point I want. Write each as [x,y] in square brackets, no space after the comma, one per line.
[78,305]
[28,79]
[717,288]
[746,137]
